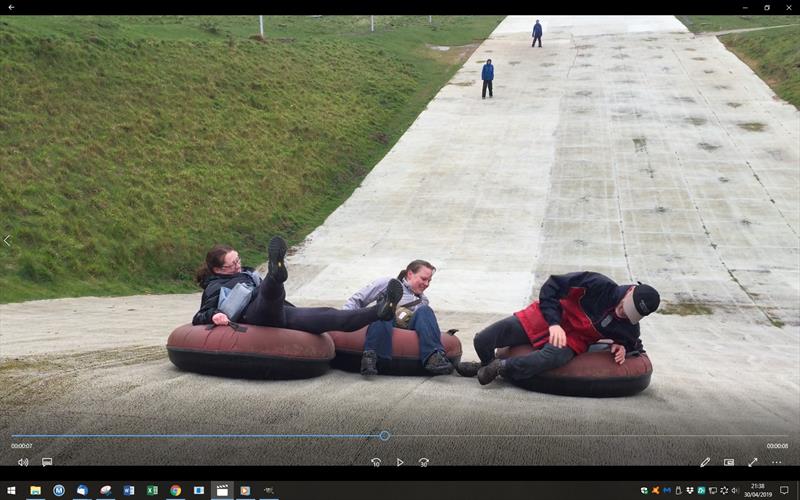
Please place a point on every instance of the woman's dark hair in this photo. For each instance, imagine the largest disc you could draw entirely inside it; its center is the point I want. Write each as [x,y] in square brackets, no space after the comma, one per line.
[414,266]
[214,258]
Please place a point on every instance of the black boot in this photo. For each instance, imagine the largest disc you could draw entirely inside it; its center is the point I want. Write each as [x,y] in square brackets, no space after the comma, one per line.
[276,268]
[468,368]
[438,364]
[391,297]
[369,363]
[490,371]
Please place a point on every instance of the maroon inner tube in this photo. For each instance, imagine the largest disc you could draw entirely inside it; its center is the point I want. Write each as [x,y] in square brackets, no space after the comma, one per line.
[250,352]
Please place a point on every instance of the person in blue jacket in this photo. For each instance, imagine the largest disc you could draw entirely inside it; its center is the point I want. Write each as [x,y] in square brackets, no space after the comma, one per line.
[487,75]
[537,33]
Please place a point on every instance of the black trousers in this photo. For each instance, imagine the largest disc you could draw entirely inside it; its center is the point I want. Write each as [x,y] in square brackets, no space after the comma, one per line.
[269,308]
[537,38]
[509,332]
[487,83]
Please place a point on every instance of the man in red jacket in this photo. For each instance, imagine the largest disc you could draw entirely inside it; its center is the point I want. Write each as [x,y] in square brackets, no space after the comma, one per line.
[574,311]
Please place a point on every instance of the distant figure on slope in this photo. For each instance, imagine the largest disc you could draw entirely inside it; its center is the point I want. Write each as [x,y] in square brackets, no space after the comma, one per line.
[487,75]
[537,33]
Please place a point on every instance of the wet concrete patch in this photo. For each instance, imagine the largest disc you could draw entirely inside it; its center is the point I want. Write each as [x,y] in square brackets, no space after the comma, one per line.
[514,63]
[752,126]
[706,146]
[689,49]
[548,64]
[696,121]
[618,47]
[661,210]
[650,39]
[685,309]
[584,47]
[584,65]
[708,71]
[462,84]
[584,55]
[724,180]
[617,69]
[734,104]
[721,87]
[684,99]
[584,93]
[621,56]
[776,154]
[699,58]
[640,144]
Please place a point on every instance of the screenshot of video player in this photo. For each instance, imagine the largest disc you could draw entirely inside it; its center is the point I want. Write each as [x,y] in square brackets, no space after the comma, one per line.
[394,251]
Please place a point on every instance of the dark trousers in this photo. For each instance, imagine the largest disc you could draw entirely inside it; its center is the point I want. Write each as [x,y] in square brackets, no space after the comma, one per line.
[379,335]
[269,308]
[537,38]
[487,83]
[509,332]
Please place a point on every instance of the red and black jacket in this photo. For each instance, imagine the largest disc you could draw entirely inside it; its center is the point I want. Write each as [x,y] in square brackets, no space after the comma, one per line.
[583,304]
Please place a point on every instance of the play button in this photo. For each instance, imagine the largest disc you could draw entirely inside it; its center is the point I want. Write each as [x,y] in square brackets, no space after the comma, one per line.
[399,462]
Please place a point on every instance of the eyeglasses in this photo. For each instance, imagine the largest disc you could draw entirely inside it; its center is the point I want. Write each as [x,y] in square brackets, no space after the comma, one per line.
[233,264]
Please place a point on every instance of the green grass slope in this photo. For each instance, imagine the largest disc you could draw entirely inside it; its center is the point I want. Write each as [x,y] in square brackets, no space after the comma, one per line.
[130,145]
[772,53]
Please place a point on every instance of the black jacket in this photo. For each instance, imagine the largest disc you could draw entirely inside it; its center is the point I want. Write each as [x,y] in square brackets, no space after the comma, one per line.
[598,302]
[212,286]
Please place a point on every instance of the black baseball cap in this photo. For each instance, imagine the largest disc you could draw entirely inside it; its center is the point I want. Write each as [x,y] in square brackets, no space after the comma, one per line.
[643,301]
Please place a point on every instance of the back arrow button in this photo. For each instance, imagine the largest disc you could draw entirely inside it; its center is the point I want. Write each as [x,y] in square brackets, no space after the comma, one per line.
[6,240]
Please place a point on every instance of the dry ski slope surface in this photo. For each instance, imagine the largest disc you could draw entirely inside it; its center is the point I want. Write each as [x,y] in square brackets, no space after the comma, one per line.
[625,145]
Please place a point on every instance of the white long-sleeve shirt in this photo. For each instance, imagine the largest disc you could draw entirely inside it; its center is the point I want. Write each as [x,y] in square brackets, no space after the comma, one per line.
[375,290]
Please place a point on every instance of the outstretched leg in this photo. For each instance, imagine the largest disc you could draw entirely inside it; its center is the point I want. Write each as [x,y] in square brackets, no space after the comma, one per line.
[267,307]
[323,319]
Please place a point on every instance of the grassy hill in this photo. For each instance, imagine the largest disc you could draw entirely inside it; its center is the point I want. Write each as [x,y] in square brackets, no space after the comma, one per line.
[772,53]
[130,145]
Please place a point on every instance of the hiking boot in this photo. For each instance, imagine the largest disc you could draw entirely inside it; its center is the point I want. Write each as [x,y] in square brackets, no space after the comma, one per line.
[489,372]
[391,297]
[438,364]
[277,267]
[369,363]
[468,368]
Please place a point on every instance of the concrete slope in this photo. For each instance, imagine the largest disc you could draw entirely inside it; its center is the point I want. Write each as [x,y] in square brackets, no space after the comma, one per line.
[624,145]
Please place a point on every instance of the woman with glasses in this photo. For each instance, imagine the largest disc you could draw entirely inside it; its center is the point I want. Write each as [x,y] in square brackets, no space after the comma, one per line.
[268,306]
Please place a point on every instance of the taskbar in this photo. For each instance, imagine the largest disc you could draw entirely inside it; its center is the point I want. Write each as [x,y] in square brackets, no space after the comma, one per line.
[267,486]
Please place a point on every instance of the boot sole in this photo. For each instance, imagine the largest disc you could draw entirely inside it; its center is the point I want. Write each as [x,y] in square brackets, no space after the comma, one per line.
[394,292]
[276,252]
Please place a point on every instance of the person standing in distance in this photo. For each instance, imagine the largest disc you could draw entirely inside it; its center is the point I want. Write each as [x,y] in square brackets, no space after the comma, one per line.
[537,33]
[487,75]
